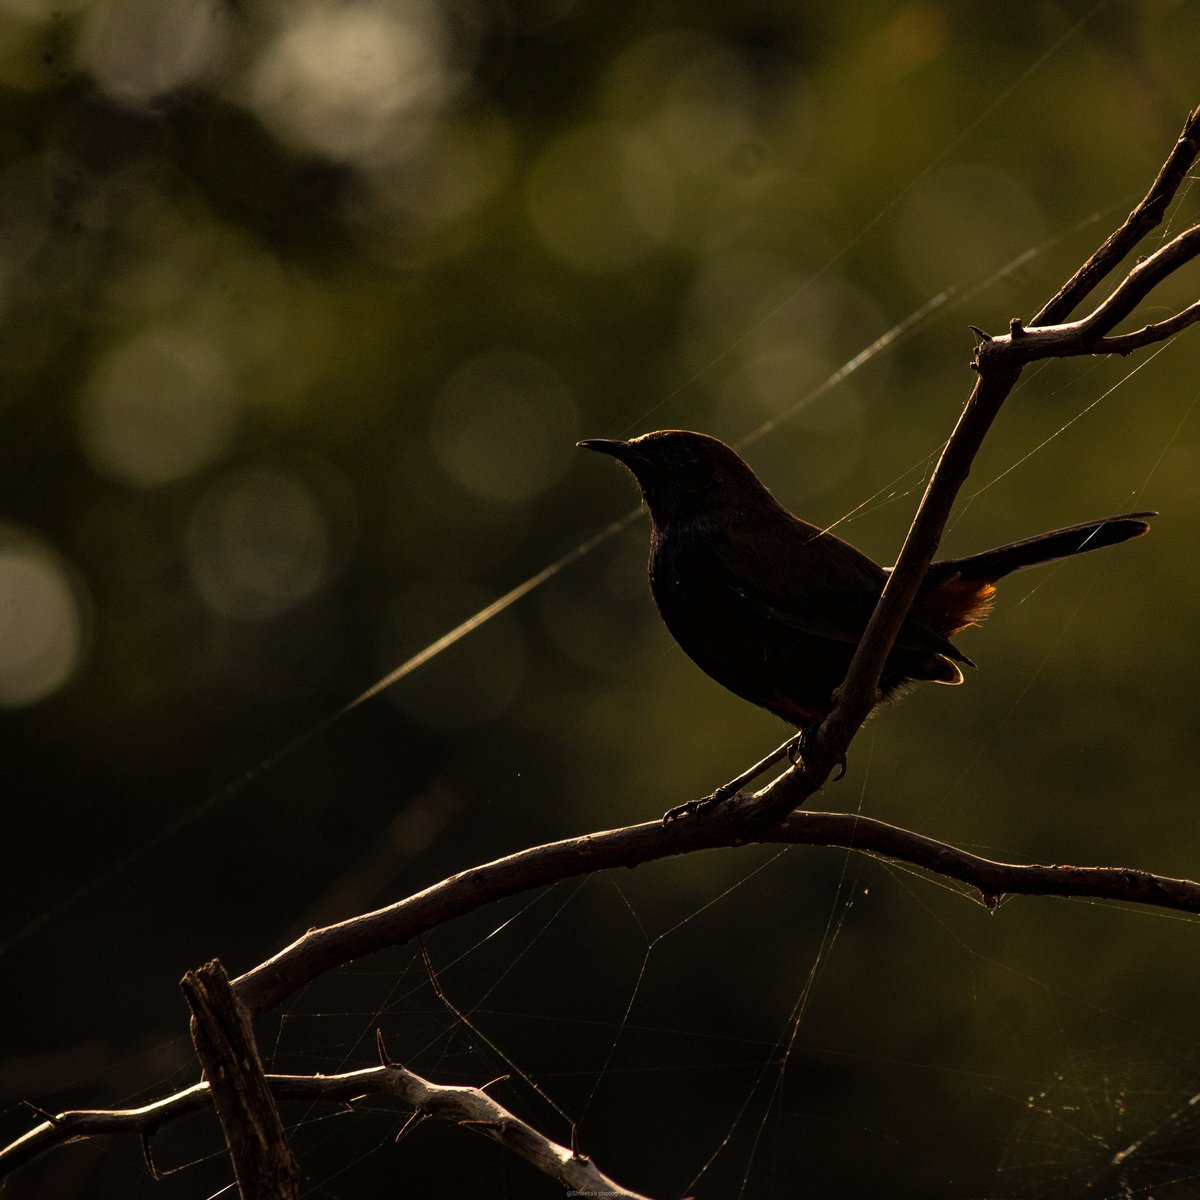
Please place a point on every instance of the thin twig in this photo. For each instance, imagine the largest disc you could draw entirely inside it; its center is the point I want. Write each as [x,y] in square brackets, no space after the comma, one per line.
[466,1022]
[1089,335]
[1145,217]
[1125,343]
[859,694]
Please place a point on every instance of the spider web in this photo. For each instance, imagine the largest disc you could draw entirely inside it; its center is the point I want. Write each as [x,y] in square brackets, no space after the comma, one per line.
[789,1095]
[1120,1121]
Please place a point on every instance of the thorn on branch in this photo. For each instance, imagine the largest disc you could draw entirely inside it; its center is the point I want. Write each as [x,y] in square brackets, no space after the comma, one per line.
[41,1112]
[1015,328]
[578,1155]
[147,1140]
[981,334]
[385,1060]
[415,1118]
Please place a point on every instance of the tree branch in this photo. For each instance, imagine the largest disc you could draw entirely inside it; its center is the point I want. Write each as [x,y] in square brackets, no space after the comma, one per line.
[263,1163]
[1088,336]
[321,950]
[467,1106]
[1125,343]
[1145,217]
[998,363]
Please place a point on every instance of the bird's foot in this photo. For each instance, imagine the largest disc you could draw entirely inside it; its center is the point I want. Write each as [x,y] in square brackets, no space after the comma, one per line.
[796,747]
[697,808]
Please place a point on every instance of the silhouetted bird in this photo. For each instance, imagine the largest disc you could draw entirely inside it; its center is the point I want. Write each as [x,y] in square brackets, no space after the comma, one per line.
[773,608]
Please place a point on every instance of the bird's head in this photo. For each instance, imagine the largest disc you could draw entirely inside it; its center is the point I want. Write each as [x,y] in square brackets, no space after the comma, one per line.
[683,475]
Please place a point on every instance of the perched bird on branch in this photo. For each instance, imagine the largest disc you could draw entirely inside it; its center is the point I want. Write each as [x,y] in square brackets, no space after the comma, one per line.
[773,607]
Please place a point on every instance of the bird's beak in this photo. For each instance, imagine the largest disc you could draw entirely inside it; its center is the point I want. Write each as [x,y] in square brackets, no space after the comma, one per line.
[618,450]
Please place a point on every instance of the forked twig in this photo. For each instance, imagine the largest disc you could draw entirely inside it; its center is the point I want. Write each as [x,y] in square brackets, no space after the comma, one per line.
[1145,217]
[998,364]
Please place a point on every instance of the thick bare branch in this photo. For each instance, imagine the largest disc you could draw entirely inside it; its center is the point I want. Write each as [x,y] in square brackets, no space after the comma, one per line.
[320,950]
[263,1163]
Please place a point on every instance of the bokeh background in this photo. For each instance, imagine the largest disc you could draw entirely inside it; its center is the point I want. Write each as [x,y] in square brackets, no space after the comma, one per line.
[302,308]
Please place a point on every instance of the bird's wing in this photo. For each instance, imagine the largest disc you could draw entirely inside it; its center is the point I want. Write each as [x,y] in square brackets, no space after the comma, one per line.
[819,585]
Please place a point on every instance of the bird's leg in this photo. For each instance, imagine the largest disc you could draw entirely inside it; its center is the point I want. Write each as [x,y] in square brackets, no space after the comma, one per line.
[728,790]
[795,748]
[792,750]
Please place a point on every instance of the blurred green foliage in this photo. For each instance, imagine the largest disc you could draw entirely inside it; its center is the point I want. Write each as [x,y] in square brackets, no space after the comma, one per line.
[302,307]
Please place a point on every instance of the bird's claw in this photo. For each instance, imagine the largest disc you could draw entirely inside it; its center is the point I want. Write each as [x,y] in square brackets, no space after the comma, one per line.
[796,747]
[697,808]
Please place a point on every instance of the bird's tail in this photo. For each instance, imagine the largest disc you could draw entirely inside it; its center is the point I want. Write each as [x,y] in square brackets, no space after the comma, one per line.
[991,565]
[958,592]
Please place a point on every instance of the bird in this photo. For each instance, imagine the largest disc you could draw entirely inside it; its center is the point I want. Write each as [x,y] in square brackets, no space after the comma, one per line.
[772,607]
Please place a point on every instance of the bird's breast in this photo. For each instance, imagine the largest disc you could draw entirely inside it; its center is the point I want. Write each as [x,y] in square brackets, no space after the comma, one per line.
[701,605]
